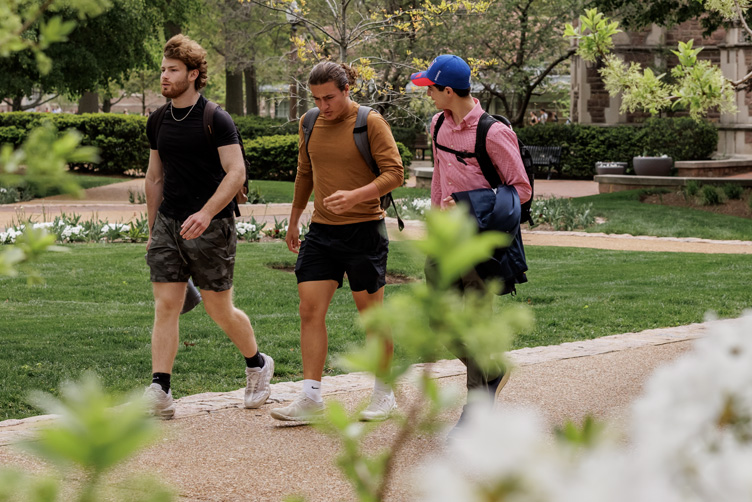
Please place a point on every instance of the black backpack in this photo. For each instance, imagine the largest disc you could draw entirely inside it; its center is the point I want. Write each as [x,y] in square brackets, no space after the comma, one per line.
[486,165]
[360,134]
[242,196]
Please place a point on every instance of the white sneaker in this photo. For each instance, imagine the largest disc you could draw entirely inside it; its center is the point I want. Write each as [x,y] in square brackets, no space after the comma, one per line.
[381,407]
[161,404]
[303,409]
[258,388]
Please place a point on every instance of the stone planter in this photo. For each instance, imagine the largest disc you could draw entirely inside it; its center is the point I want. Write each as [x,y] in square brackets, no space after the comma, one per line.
[610,167]
[652,166]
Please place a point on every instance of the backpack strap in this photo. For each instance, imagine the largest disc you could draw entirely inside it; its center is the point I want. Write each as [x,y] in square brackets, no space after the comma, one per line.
[208,120]
[209,110]
[309,119]
[360,134]
[461,155]
[484,160]
[155,121]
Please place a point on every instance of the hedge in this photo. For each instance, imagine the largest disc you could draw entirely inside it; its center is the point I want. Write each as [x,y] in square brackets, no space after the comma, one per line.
[124,148]
[584,145]
[276,157]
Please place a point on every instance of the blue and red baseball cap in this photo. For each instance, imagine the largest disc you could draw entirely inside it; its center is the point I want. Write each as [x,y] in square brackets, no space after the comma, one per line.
[446,70]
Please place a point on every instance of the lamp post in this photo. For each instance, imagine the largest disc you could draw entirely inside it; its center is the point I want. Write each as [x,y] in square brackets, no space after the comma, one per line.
[292,18]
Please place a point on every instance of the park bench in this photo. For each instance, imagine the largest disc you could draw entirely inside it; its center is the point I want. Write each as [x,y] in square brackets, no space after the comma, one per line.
[546,156]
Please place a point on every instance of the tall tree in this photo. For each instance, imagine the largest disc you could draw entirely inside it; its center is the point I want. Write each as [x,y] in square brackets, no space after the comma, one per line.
[522,47]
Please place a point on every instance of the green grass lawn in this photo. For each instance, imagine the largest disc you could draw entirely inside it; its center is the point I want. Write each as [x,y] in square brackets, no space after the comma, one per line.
[625,214]
[95,311]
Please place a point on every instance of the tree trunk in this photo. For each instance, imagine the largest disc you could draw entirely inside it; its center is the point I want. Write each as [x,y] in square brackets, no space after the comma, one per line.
[234,88]
[17,103]
[89,103]
[251,91]
[106,105]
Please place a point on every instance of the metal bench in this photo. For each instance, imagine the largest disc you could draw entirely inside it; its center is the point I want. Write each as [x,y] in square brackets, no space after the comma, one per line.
[547,156]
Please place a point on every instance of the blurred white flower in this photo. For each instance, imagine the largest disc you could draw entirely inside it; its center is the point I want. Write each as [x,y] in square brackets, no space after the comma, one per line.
[690,440]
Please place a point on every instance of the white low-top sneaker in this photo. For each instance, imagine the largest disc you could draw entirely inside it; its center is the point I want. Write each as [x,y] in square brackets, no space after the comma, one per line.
[160,403]
[258,383]
[303,409]
[381,407]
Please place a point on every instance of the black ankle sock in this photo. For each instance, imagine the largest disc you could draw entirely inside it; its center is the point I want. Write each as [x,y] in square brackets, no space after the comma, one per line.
[163,379]
[256,361]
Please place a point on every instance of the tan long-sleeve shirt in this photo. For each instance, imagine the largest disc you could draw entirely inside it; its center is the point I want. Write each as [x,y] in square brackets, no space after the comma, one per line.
[336,164]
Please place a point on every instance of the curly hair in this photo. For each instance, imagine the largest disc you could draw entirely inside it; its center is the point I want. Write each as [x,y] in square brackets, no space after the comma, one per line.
[328,71]
[191,54]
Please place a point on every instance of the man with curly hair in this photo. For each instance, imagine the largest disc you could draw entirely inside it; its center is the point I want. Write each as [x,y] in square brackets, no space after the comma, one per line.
[190,189]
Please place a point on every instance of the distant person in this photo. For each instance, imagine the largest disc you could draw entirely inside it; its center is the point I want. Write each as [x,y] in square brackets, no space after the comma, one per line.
[543,117]
[347,234]
[448,83]
[125,111]
[554,118]
[190,190]
[147,112]
[533,118]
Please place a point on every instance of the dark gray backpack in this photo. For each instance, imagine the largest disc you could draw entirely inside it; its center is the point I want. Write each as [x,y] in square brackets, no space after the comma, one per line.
[360,134]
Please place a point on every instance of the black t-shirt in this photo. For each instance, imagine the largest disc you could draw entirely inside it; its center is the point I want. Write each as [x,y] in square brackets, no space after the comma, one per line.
[192,169]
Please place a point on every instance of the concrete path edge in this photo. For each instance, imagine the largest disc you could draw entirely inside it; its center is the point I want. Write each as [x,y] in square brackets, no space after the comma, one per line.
[13,430]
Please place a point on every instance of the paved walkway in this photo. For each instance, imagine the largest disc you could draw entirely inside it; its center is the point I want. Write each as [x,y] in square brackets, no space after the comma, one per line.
[216,451]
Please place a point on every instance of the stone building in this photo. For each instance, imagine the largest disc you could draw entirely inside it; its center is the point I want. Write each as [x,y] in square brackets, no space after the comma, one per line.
[731,49]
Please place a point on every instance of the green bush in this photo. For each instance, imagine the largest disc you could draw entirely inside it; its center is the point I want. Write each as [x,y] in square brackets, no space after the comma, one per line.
[276,157]
[692,188]
[272,157]
[561,214]
[584,145]
[710,196]
[121,139]
[13,135]
[252,127]
[733,191]
[680,138]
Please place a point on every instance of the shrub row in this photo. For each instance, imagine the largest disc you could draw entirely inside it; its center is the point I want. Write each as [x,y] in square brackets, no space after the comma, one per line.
[276,157]
[271,145]
[584,145]
[124,148]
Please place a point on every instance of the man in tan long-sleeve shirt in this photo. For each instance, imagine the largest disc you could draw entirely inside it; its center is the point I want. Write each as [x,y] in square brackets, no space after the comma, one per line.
[347,233]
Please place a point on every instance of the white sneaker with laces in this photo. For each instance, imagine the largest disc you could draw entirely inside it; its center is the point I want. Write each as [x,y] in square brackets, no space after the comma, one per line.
[161,404]
[258,387]
[303,409]
[381,407]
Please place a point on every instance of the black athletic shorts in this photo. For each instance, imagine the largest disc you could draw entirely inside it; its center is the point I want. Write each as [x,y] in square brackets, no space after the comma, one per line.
[209,259]
[359,250]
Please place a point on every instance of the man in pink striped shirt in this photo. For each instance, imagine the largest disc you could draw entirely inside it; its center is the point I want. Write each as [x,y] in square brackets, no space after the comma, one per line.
[456,169]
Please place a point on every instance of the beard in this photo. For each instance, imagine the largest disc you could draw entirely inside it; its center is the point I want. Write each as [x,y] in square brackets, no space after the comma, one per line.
[176,89]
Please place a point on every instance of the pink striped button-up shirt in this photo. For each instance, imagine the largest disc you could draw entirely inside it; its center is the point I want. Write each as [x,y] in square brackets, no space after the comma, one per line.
[450,175]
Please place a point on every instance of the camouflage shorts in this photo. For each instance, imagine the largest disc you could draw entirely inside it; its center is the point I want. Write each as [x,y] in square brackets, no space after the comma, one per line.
[208,259]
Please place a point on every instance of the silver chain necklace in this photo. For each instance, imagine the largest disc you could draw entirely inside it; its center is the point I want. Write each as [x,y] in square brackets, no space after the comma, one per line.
[186,115]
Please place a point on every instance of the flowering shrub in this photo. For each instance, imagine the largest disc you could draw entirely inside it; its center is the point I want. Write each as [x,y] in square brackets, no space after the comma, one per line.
[9,195]
[689,439]
[249,231]
[411,208]
[561,214]
[70,228]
